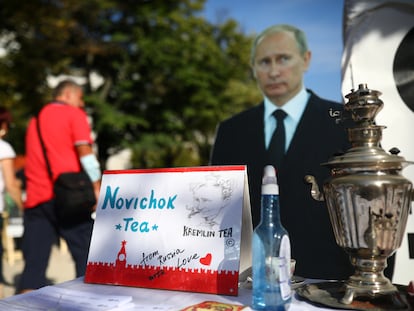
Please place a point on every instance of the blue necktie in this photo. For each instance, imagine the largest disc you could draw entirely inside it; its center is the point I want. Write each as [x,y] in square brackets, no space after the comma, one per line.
[276,149]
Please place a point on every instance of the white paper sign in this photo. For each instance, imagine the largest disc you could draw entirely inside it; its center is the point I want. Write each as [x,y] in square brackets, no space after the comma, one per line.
[176,228]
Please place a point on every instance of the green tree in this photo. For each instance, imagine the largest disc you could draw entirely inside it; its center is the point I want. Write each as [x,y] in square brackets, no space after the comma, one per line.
[168,75]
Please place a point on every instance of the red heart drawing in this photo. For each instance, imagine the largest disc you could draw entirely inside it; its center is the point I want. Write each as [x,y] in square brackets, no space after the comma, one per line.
[206,260]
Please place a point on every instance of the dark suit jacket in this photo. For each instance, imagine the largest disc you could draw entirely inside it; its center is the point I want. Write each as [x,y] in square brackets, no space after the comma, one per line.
[240,140]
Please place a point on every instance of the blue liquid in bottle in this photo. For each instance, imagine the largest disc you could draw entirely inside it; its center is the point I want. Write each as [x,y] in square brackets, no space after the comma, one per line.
[271,252]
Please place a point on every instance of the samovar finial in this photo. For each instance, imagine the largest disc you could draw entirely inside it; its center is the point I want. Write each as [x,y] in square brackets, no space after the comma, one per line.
[363,104]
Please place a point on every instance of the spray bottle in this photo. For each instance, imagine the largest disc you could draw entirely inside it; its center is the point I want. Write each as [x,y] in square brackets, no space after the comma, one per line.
[271,252]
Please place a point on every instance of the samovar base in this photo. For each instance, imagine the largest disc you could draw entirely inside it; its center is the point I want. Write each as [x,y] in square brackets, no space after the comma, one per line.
[362,288]
[368,280]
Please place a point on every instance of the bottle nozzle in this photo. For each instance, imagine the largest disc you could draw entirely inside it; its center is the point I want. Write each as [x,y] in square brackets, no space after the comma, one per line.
[269,182]
[269,175]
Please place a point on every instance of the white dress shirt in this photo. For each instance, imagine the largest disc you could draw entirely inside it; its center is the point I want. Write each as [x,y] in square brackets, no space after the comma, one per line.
[294,109]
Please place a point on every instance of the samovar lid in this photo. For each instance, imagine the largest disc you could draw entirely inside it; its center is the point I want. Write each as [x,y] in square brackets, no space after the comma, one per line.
[372,159]
[365,136]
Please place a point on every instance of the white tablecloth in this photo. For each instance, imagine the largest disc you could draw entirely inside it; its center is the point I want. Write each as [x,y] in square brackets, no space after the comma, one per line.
[77,295]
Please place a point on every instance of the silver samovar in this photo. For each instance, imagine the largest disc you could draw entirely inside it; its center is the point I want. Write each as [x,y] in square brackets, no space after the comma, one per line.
[367,197]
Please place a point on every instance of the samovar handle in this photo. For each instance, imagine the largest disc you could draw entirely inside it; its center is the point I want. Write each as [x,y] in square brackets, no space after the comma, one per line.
[315,192]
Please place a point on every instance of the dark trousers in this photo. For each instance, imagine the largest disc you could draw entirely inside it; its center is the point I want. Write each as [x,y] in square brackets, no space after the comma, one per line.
[1,248]
[41,231]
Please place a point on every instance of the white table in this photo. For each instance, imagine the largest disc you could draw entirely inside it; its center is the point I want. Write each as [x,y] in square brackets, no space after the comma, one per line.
[75,294]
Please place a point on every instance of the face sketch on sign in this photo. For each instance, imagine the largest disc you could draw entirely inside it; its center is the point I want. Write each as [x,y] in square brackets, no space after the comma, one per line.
[210,197]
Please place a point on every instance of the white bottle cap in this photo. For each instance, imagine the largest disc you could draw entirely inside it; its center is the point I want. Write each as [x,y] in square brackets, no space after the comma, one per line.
[269,183]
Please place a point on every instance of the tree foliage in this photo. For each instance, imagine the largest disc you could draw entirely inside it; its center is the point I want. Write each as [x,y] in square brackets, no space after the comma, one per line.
[167,75]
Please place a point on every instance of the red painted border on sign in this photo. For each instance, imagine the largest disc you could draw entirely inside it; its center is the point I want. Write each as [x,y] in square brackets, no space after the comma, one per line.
[178,169]
[194,280]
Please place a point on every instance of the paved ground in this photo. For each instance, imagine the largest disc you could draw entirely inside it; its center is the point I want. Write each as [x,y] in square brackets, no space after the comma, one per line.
[61,268]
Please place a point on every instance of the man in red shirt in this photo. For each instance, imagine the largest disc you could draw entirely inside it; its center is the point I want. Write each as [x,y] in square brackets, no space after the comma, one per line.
[67,138]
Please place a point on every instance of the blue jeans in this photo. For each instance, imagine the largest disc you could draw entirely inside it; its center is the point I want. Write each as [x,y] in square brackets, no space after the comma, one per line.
[1,249]
[41,231]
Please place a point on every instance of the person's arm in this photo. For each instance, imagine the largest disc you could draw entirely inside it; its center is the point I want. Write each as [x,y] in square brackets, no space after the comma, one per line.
[90,165]
[12,184]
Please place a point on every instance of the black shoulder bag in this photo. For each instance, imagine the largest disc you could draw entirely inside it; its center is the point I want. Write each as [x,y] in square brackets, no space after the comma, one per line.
[74,194]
